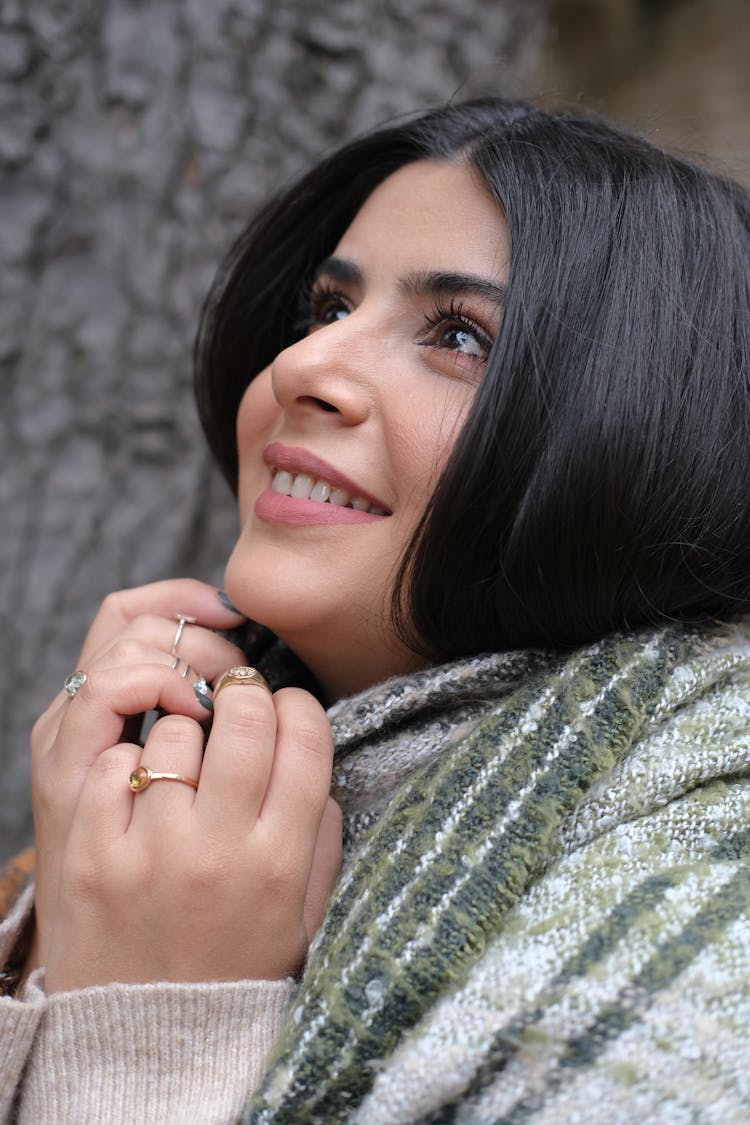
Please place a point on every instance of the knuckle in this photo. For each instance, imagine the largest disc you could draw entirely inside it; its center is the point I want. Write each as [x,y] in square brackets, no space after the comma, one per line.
[91,874]
[110,764]
[40,730]
[177,731]
[127,650]
[82,876]
[115,605]
[313,737]
[247,708]
[45,784]
[207,874]
[279,876]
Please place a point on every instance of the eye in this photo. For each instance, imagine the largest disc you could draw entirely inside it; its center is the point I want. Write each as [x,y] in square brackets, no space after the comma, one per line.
[450,330]
[319,305]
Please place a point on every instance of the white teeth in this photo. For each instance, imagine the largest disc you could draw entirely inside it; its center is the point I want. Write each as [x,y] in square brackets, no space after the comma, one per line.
[282,482]
[304,487]
[320,491]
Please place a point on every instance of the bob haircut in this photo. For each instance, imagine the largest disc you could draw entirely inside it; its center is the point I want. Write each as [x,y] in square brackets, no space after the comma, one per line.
[602,477]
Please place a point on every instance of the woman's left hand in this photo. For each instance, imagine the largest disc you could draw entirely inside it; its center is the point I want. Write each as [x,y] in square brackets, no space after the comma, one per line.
[227,881]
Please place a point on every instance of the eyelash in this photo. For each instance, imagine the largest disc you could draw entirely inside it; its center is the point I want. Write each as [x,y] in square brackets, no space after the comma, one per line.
[315,297]
[310,305]
[452,315]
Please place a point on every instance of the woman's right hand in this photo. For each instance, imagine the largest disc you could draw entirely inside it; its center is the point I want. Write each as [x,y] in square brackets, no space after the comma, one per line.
[127,657]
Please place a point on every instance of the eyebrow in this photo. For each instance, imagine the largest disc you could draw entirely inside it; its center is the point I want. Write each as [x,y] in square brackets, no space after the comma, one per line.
[420,283]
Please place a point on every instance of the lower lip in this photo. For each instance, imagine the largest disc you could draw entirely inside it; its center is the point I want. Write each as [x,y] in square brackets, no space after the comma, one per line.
[274,507]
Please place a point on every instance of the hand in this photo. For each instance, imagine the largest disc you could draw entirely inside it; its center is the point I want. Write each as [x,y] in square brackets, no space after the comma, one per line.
[224,882]
[127,657]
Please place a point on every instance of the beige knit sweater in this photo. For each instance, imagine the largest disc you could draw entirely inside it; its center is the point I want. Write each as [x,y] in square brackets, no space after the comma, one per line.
[154,1053]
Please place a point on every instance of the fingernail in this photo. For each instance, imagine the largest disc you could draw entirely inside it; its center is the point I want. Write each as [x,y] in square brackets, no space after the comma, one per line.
[224,599]
[201,689]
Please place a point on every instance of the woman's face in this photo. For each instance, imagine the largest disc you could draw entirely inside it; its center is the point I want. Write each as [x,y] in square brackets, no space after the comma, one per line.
[343,437]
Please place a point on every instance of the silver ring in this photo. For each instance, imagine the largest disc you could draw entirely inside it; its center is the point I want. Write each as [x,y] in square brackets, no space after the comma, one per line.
[74,682]
[176,664]
[182,620]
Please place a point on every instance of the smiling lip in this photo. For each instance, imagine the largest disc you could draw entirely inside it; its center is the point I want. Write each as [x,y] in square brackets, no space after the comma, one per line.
[276,507]
[294,460]
[273,507]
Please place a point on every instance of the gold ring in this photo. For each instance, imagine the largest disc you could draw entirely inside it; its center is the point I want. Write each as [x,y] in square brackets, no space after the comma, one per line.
[182,620]
[142,777]
[241,675]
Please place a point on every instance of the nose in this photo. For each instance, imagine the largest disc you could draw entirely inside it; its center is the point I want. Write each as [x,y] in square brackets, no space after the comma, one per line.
[329,372]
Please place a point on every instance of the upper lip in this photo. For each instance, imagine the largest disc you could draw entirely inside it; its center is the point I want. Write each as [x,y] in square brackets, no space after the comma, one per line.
[295,460]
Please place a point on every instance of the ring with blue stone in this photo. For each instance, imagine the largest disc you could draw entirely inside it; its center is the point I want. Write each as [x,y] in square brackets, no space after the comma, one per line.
[74,682]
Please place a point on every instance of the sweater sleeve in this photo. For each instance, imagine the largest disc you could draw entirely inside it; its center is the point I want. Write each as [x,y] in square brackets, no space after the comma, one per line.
[19,1015]
[161,1052]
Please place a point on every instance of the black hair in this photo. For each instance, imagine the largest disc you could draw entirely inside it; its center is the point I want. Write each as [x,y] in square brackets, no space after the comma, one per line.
[602,477]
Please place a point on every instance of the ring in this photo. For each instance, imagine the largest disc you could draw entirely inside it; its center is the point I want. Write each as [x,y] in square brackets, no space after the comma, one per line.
[241,676]
[176,664]
[74,682]
[142,777]
[182,620]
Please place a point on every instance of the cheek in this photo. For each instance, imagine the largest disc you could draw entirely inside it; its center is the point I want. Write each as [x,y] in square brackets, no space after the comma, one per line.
[258,408]
[258,414]
[426,440]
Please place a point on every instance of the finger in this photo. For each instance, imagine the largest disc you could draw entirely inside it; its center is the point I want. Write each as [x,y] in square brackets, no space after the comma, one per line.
[175,745]
[326,865]
[94,719]
[127,651]
[165,599]
[105,804]
[45,728]
[300,780]
[205,650]
[239,756]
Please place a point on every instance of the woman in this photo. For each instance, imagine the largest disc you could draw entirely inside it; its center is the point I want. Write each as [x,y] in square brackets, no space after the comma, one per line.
[488,375]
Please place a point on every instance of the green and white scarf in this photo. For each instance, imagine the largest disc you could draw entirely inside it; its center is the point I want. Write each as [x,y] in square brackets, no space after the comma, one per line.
[544,914]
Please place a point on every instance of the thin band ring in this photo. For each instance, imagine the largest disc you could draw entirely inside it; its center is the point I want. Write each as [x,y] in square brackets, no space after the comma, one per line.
[176,664]
[142,777]
[182,620]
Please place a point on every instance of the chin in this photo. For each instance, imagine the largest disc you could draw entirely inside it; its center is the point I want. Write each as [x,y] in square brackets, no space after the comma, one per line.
[282,593]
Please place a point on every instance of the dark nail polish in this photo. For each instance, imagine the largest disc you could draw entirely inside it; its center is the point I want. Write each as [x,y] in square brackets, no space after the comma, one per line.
[200,690]
[223,598]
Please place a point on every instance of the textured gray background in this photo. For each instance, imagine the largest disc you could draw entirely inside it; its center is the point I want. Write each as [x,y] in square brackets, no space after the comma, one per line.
[135,139]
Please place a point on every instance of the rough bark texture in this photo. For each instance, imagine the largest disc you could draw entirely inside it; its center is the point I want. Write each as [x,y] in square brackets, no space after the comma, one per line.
[135,139]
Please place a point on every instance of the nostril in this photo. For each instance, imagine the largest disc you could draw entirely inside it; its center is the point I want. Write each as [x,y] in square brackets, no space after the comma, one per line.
[320,402]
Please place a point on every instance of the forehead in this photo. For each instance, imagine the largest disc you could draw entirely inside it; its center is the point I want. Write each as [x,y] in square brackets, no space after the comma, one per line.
[430,215]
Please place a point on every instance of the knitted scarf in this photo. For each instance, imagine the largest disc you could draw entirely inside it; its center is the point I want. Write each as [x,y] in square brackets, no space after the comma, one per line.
[544,912]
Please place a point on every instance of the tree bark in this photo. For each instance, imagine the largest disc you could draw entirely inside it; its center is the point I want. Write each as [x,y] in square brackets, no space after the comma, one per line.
[136,138]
